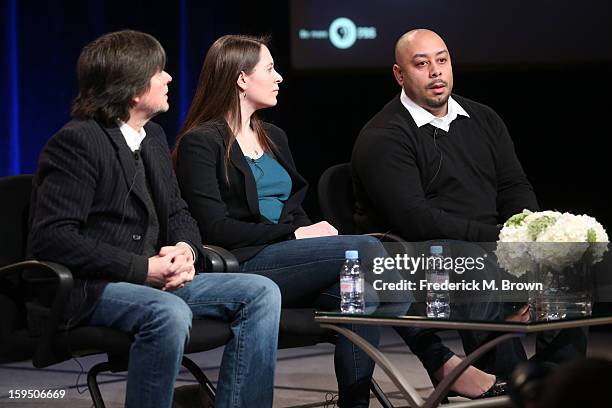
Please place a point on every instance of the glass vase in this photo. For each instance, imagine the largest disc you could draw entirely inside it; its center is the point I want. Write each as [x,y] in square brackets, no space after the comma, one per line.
[565,293]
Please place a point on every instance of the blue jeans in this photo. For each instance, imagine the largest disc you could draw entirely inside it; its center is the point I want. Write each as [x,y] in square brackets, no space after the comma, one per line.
[307,272]
[160,322]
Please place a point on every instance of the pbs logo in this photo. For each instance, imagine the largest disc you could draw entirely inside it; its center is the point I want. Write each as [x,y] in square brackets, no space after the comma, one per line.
[342,33]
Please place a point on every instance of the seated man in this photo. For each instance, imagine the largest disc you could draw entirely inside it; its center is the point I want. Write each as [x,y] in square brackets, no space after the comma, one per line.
[106,204]
[449,172]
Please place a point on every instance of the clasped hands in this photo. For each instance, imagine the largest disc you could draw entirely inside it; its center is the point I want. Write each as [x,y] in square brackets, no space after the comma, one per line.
[172,267]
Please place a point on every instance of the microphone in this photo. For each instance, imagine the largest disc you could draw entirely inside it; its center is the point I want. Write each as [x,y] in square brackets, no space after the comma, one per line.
[435,133]
[137,154]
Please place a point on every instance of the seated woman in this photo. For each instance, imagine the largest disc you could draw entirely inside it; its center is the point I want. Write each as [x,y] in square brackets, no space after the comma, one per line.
[238,177]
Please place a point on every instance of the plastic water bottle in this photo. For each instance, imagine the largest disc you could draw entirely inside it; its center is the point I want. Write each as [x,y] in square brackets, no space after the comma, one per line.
[438,301]
[351,284]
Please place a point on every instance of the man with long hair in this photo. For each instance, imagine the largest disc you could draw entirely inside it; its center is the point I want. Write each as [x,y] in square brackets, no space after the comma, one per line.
[106,204]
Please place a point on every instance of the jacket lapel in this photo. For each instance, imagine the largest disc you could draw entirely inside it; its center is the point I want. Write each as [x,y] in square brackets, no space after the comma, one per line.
[299,185]
[250,187]
[159,192]
[238,160]
[126,159]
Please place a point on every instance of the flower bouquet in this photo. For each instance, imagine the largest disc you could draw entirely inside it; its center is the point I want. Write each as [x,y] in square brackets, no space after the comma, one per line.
[557,250]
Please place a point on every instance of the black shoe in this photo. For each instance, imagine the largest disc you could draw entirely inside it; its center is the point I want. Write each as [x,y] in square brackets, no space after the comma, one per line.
[499,387]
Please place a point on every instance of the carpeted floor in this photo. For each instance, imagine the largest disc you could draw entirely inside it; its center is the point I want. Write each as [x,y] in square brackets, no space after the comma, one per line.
[304,377]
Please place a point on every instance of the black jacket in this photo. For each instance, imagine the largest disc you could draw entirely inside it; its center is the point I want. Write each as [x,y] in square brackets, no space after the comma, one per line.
[223,197]
[425,183]
[88,214]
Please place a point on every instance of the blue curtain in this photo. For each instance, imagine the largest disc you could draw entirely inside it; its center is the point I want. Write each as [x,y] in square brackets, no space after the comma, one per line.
[41,42]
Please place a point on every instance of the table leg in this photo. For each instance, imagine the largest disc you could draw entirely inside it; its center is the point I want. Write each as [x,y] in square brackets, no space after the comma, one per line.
[410,394]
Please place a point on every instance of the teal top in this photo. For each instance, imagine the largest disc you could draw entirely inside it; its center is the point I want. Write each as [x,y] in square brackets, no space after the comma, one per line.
[273,185]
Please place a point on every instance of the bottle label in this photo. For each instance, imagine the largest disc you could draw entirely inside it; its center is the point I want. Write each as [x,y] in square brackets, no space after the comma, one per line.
[346,285]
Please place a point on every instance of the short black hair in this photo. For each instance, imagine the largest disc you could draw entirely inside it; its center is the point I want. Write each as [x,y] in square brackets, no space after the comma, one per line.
[112,70]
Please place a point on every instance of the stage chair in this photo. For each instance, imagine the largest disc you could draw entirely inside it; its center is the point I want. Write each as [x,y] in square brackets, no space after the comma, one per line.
[32,289]
[336,200]
[32,292]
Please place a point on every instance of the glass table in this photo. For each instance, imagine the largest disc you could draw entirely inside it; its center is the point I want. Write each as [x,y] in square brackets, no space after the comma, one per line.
[508,329]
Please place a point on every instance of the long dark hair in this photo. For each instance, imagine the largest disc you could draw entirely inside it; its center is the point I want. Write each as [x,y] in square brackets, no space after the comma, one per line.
[112,70]
[217,96]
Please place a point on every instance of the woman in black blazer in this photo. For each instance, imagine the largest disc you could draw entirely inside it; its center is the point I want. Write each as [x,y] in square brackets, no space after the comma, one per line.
[239,179]
[240,182]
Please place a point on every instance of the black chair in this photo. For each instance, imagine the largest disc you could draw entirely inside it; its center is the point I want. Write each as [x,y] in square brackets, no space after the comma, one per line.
[40,289]
[24,286]
[336,199]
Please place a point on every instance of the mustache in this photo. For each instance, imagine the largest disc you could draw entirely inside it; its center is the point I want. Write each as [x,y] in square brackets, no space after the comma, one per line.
[436,82]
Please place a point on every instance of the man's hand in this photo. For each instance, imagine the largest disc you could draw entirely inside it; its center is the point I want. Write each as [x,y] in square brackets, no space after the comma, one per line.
[182,270]
[179,280]
[158,272]
[187,251]
[171,268]
[320,229]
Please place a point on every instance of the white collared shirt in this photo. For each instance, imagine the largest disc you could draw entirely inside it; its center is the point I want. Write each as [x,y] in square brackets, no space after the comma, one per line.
[133,138]
[422,117]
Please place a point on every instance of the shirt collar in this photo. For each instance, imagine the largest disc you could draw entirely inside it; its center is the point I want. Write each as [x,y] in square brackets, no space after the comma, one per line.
[133,138]
[422,117]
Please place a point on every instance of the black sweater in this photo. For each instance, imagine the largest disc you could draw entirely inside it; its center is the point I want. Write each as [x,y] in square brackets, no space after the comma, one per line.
[458,186]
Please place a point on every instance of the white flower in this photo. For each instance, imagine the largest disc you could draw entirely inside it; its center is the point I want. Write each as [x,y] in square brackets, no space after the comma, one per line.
[511,252]
[514,257]
[549,238]
[561,244]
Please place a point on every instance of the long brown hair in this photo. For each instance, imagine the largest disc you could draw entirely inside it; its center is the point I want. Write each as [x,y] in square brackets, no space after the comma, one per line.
[217,95]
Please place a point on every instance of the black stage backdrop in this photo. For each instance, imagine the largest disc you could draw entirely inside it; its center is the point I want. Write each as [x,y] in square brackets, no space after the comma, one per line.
[557,113]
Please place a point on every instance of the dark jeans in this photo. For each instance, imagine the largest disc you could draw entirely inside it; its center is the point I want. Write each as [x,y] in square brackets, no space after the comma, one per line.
[307,272]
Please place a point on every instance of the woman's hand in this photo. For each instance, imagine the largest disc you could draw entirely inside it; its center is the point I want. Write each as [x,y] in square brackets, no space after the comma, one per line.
[320,229]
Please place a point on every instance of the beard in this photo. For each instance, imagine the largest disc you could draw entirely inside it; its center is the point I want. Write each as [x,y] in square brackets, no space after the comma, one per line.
[441,100]
[437,102]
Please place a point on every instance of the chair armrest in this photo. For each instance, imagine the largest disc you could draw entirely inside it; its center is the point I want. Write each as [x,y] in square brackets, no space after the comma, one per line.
[221,259]
[211,260]
[39,273]
[388,237]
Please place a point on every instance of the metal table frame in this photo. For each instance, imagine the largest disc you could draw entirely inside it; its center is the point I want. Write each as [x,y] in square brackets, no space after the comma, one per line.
[331,321]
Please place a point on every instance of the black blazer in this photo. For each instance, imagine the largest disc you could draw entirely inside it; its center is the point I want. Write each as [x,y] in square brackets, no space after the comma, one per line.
[87,213]
[228,212]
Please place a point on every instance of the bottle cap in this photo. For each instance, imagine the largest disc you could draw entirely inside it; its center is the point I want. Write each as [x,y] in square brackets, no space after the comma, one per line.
[435,250]
[351,254]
